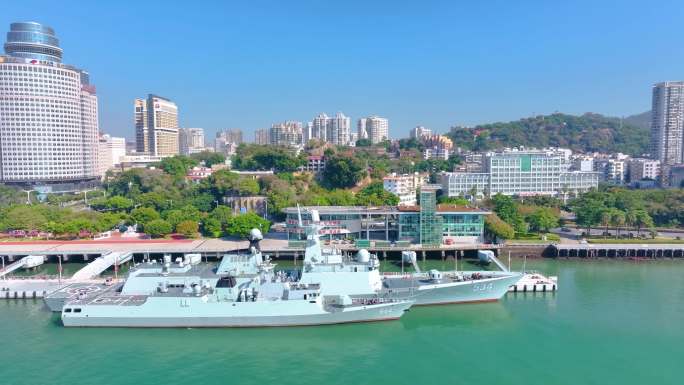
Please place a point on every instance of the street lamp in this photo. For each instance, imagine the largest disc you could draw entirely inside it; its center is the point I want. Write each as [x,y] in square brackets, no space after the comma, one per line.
[28,196]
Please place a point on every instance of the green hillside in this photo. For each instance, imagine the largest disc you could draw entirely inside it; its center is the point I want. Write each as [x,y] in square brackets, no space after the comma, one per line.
[589,132]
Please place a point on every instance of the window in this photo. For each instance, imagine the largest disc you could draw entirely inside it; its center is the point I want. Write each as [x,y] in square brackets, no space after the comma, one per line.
[67,310]
[77,310]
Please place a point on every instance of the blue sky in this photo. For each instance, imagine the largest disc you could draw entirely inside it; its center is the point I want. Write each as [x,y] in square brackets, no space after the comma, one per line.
[250,64]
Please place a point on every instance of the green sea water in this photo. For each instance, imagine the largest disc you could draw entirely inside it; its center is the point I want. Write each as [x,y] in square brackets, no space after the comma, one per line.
[611,323]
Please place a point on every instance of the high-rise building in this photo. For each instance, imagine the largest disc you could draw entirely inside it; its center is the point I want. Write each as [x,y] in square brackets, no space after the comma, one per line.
[191,140]
[339,129]
[227,141]
[307,131]
[335,130]
[111,151]
[261,136]
[232,135]
[156,126]
[319,127]
[286,134]
[374,128]
[667,124]
[48,113]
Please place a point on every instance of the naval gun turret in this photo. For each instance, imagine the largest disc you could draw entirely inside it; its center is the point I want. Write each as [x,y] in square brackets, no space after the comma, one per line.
[255,237]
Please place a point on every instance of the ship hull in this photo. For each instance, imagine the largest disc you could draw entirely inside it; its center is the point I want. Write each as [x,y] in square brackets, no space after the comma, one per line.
[431,293]
[160,313]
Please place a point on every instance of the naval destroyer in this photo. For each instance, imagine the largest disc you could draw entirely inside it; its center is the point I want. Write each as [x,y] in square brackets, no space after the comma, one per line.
[243,291]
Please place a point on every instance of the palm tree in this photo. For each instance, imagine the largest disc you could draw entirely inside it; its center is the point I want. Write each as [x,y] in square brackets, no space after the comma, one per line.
[617,220]
[630,218]
[606,217]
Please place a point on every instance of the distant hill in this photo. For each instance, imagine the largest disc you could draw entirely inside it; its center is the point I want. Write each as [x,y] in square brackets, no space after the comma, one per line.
[642,120]
[587,133]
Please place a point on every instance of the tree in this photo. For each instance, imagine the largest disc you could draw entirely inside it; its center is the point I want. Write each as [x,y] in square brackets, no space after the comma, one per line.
[375,195]
[116,202]
[506,208]
[247,186]
[144,215]
[212,227]
[10,196]
[188,228]
[23,217]
[498,228]
[617,220]
[241,225]
[456,201]
[342,172]
[364,143]
[178,165]
[209,158]
[641,220]
[543,219]
[158,228]
[588,214]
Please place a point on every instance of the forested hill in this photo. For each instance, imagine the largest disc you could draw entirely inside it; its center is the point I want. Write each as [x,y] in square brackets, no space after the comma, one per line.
[588,133]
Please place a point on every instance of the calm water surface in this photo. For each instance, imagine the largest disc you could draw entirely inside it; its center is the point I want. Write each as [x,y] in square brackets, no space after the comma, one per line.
[611,323]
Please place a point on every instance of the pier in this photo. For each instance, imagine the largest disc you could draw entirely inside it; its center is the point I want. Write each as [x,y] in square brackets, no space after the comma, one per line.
[597,250]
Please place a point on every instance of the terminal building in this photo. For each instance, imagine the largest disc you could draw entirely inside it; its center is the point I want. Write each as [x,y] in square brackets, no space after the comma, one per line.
[427,224]
[521,173]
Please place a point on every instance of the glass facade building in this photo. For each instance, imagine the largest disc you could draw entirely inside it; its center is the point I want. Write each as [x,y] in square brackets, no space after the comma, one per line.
[33,41]
[401,223]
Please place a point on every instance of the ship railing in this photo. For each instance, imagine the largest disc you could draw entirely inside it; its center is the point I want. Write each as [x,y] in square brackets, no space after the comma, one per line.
[42,277]
[373,301]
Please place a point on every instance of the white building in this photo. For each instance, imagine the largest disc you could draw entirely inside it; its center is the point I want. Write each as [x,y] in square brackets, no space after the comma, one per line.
[640,168]
[335,130]
[227,141]
[419,132]
[48,112]
[522,173]
[191,140]
[374,128]
[667,123]
[111,152]
[404,186]
[287,134]
[436,153]
[261,136]
[583,163]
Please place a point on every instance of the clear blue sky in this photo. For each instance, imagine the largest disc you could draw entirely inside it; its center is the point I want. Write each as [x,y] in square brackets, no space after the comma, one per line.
[247,65]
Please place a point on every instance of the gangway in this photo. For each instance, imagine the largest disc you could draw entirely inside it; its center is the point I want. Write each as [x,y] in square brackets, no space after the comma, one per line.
[99,265]
[26,262]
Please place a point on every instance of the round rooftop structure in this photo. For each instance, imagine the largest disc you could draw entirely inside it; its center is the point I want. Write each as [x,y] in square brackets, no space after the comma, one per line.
[33,40]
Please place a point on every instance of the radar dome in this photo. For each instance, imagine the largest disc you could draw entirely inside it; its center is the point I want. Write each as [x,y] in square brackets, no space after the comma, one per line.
[363,256]
[255,235]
